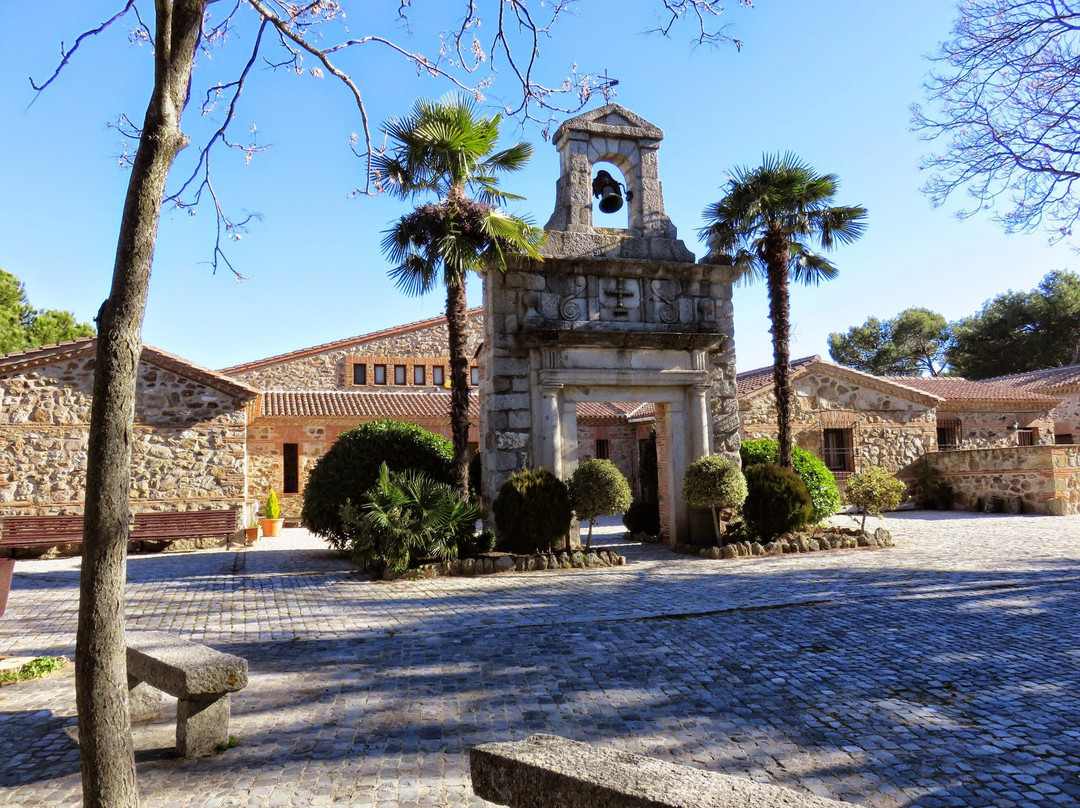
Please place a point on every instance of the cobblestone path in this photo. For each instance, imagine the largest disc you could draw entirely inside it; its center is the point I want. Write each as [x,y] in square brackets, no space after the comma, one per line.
[942,672]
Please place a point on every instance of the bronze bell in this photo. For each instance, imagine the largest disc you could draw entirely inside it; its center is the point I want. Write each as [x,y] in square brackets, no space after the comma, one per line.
[607,189]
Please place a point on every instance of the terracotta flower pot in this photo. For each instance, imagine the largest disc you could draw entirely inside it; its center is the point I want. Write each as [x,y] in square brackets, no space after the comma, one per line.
[271,527]
[7,566]
[251,534]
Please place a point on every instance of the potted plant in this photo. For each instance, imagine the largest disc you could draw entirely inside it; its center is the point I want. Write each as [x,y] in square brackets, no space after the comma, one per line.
[7,566]
[272,521]
[251,532]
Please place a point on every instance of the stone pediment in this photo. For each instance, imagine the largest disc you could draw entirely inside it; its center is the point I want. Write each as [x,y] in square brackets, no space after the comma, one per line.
[610,119]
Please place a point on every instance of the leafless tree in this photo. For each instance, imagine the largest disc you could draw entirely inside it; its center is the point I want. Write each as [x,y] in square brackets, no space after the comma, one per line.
[1005,103]
[296,35]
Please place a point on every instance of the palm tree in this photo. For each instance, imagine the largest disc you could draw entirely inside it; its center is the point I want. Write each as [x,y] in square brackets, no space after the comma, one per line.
[764,222]
[447,149]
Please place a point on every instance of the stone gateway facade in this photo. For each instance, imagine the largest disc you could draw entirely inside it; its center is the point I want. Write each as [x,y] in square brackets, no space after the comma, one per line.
[619,315]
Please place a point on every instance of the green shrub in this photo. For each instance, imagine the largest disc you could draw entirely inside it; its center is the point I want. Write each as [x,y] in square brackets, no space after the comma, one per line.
[776,501]
[477,543]
[819,481]
[406,515]
[643,517]
[598,488]
[351,467]
[272,508]
[714,482]
[874,491]
[531,511]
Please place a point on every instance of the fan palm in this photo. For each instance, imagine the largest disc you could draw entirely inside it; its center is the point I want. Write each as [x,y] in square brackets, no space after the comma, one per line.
[765,221]
[446,148]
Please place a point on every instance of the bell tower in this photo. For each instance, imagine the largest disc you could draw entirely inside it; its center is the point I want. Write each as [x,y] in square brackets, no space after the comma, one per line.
[616,135]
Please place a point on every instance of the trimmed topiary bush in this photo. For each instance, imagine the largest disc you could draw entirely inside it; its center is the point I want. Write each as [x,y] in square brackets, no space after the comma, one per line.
[598,488]
[272,508]
[531,511]
[776,501]
[874,491]
[643,517]
[714,482]
[351,468]
[819,481]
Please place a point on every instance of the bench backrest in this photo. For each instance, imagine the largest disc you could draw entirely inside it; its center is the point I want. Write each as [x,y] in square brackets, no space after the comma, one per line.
[17,529]
[223,519]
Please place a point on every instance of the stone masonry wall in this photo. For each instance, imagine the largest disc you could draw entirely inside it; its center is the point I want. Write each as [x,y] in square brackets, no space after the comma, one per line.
[1028,479]
[1067,417]
[331,369]
[189,451]
[989,427]
[887,431]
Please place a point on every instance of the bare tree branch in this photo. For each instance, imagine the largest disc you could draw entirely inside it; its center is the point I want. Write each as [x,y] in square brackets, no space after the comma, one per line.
[66,54]
[1005,93]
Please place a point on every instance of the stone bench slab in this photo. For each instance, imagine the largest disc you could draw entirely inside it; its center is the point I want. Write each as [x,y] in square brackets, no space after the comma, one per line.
[545,771]
[183,668]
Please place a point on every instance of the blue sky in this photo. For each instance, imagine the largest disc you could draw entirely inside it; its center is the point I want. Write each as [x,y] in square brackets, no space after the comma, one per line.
[830,80]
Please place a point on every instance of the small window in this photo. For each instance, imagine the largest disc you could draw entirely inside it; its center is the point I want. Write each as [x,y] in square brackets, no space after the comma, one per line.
[359,374]
[419,375]
[474,377]
[438,375]
[290,483]
[380,374]
[1065,439]
[1025,437]
[948,434]
[399,374]
[839,451]
[603,450]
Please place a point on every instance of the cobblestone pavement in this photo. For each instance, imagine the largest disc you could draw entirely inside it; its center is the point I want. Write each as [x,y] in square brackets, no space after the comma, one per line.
[942,672]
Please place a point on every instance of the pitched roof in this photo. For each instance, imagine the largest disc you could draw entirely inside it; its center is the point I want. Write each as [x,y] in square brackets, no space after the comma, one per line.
[349,342]
[755,381]
[598,413]
[1058,380]
[18,361]
[954,389]
[429,404]
[750,380]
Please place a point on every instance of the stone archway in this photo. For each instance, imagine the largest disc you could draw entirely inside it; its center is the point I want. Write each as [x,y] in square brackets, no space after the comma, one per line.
[609,315]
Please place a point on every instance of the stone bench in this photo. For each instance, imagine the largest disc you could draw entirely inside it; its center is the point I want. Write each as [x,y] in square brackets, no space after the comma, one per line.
[200,678]
[545,771]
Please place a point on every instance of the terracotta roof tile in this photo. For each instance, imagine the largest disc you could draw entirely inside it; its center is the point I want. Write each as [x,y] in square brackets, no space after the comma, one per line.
[952,388]
[614,412]
[427,405]
[1059,380]
[750,380]
[343,343]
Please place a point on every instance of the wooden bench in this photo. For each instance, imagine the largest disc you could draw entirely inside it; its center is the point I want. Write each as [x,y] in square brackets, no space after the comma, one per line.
[49,531]
[200,677]
[157,526]
[40,531]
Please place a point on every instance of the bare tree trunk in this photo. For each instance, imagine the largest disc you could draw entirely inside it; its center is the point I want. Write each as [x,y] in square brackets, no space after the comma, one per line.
[776,263]
[108,764]
[457,332]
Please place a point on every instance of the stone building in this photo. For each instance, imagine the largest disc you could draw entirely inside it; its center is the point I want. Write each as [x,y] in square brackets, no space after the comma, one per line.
[1062,383]
[190,432]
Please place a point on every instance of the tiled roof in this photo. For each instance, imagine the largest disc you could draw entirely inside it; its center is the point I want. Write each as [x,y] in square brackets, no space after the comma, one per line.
[343,343]
[952,388]
[1057,380]
[750,380]
[615,412]
[78,348]
[430,405]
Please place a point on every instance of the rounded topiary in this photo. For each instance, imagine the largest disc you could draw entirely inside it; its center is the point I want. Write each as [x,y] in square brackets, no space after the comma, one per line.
[531,512]
[643,517]
[776,501]
[714,482]
[351,467]
[598,488]
[874,491]
[819,481]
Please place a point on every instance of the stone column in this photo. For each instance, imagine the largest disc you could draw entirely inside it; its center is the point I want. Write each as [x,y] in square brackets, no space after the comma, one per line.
[550,449]
[700,425]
